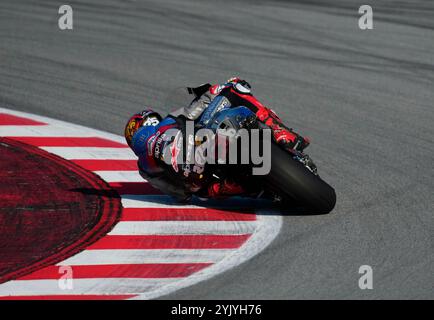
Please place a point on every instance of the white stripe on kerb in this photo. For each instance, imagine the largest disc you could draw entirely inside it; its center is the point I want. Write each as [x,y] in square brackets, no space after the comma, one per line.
[152,201]
[140,256]
[183,227]
[83,286]
[165,201]
[92,153]
[41,131]
[120,176]
[267,227]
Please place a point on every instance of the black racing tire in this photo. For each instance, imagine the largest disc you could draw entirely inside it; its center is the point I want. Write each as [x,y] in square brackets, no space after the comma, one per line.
[294,183]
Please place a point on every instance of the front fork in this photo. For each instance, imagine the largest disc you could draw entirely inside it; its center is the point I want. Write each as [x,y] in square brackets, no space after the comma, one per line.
[304,159]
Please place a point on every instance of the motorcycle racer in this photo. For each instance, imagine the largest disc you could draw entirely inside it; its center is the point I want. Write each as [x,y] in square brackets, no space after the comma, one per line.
[146,134]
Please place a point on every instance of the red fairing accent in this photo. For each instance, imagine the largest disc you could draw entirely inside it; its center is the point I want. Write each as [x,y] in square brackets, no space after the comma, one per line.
[280,133]
[217,88]
[268,117]
[225,188]
[234,79]
[214,89]
[274,115]
[285,135]
[174,152]
[251,99]
[262,114]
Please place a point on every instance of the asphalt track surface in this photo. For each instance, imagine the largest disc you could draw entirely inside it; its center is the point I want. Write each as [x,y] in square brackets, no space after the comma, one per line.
[364,97]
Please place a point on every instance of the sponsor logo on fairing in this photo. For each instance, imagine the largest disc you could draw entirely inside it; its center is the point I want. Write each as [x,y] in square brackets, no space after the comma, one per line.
[175,150]
[157,148]
[151,142]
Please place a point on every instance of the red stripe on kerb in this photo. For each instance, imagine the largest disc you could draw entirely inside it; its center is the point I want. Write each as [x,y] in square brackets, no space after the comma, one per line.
[170,242]
[10,120]
[72,297]
[107,165]
[70,142]
[151,270]
[181,214]
[134,188]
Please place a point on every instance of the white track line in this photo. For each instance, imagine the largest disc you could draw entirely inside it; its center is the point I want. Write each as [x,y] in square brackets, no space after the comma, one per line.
[135,256]
[183,227]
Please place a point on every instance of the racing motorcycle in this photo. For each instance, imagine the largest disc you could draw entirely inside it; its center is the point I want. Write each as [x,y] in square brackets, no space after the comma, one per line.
[293,177]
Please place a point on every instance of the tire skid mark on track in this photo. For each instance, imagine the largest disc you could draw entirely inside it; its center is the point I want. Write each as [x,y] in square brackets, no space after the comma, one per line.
[158,246]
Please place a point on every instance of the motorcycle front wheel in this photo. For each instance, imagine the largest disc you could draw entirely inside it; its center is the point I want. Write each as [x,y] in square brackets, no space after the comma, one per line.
[294,183]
